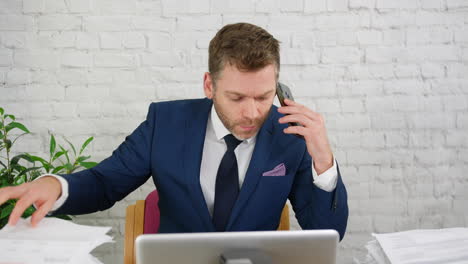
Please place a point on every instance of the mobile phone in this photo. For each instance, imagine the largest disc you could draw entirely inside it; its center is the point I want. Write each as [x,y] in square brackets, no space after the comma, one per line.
[283,92]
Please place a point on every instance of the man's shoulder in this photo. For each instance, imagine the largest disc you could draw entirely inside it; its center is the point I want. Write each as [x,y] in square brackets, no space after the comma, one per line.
[179,110]
[180,106]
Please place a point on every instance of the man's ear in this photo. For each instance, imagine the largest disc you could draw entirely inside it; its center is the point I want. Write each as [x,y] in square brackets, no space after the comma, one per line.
[208,85]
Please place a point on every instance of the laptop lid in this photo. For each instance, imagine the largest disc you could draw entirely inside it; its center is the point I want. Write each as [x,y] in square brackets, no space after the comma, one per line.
[276,247]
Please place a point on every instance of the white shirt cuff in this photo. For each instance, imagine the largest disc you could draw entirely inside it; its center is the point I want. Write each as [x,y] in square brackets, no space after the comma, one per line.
[61,200]
[328,179]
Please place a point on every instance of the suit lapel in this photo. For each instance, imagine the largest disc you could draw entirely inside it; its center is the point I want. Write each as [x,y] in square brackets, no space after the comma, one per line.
[195,130]
[260,156]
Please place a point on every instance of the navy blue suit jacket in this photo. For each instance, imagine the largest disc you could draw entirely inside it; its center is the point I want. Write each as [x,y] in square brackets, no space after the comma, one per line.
[168,146]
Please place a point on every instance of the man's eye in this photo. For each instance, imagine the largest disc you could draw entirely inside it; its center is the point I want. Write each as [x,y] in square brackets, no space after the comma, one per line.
[236,99]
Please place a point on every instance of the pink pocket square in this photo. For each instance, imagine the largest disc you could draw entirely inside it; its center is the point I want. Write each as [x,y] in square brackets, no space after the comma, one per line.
[279,170]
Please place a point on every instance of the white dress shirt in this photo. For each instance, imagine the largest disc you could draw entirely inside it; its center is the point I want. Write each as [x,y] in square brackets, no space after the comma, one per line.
[213,151]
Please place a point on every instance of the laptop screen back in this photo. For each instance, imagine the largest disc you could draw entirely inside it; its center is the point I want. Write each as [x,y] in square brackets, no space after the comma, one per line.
[290,247]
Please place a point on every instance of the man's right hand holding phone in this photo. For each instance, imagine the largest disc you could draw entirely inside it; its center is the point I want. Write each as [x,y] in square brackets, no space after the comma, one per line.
[308,124]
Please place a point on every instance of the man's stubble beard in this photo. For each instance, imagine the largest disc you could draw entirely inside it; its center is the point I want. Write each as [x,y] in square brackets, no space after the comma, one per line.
[231,125]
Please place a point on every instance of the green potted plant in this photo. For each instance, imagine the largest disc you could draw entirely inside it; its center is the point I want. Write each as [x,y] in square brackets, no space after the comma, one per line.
[24,167]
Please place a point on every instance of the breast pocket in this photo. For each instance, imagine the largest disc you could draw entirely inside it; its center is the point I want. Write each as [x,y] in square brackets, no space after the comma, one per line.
[276,186]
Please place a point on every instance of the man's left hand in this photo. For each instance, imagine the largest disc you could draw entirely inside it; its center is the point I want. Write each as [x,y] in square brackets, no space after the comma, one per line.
[313,130]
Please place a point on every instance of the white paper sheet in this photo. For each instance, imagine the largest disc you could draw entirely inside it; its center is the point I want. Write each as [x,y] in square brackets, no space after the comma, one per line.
[428,246]
[52,241]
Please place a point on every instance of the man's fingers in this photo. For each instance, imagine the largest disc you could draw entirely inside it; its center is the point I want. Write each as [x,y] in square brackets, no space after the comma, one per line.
[296,130]
[19,209]
[5,194]
[290,109]
[297,109]
[303,120]
[41,212]
[290,102]
[8,193]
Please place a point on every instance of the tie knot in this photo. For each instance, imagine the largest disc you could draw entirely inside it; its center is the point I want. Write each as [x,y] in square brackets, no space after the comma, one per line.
[231,142]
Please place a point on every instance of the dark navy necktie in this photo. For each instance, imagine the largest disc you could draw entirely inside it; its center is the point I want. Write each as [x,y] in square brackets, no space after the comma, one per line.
[227,185]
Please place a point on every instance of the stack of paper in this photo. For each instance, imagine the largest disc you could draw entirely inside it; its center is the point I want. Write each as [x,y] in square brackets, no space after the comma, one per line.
[52,241]
[419,246]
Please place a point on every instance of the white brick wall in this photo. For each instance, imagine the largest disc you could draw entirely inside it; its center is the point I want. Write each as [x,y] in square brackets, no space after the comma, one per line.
[390,77]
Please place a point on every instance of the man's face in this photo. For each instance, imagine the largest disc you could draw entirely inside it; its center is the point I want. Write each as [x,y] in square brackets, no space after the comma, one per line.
[242,99]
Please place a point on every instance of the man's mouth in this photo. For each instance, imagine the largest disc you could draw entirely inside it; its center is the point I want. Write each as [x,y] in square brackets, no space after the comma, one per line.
[247,128]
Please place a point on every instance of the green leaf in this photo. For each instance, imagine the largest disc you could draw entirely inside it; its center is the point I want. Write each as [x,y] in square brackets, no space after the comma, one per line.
[88,165]
[3,164]
[58,155]
[23,172]
[6,211]
[16,167]
[34,174]
[86,144]
[3,222]
[47,167]
[28,212]
[58,169]
[1,134]
[18,137]
[82,158]
[71,145]
[65,153]
[68,167]
[16,125]
[45,164]
[17,158]
[8,144]
[19,180]
[1,111]
[52,145]
[38,159]
[12,117]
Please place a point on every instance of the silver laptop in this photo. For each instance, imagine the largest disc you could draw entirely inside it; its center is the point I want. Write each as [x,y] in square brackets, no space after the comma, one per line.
[260,247]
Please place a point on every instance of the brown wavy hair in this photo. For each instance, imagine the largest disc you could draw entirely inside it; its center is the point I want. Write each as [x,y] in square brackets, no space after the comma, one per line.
[246,46]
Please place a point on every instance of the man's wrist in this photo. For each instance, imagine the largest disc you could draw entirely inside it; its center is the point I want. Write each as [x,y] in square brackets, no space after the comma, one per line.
[326,180]
[322,166]
[63,190]
[56,180]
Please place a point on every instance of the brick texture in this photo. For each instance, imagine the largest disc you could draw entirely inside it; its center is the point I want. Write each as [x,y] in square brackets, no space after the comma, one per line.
[389,77]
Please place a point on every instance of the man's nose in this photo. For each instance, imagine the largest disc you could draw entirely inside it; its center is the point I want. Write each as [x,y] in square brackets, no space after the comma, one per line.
[251,110]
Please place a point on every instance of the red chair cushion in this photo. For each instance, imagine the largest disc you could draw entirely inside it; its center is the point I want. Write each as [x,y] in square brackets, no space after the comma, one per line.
[151,224]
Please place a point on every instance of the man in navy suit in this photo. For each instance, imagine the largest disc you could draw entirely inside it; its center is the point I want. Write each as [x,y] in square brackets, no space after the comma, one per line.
[227,162]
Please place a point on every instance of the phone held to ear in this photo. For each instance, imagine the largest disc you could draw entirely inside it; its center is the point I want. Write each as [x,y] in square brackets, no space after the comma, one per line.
[283,92]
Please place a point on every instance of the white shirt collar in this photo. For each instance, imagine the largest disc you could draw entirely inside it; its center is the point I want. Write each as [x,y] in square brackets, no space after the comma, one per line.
[220,130]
